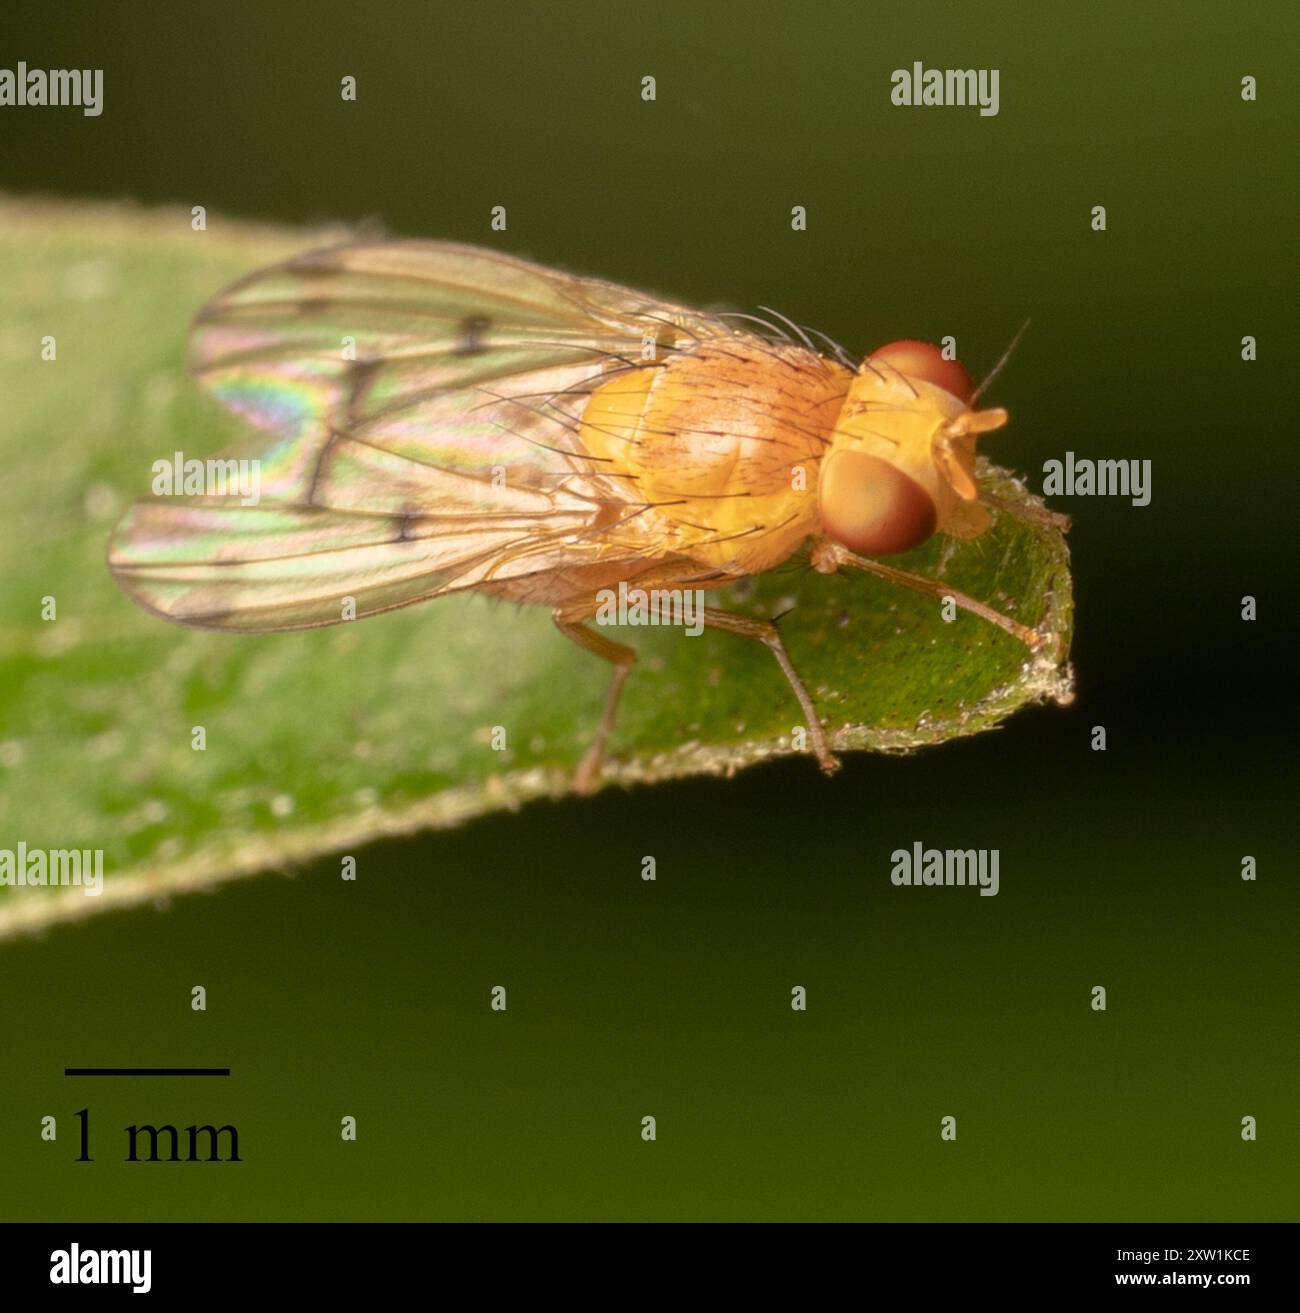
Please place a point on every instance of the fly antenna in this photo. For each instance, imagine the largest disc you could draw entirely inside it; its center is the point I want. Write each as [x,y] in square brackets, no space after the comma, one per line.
[997,369]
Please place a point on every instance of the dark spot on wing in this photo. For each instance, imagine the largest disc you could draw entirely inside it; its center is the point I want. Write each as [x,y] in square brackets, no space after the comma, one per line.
[469,339]
[361,374]
[319,471]
[314,264]
[358,379]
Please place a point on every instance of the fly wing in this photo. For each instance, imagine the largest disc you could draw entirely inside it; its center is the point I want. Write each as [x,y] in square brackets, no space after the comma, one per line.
[254,568]
[422,403]
[370,333]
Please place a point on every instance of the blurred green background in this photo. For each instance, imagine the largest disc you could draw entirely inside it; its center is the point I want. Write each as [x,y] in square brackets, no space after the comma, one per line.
[671,998]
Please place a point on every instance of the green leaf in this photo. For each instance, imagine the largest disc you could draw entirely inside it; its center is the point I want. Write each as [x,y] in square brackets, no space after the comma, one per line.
[320,741]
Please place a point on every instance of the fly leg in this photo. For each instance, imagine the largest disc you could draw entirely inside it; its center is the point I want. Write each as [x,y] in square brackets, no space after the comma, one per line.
[934,588]
[622,658]
[766,632]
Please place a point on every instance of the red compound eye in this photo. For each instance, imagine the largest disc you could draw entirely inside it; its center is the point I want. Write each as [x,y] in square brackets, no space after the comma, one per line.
[872,507]
[924,361]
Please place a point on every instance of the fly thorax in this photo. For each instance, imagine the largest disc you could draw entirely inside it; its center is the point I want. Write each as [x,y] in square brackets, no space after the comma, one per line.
[724,441]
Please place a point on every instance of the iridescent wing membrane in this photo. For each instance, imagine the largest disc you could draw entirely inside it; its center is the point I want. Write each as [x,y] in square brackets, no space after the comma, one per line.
[421,400]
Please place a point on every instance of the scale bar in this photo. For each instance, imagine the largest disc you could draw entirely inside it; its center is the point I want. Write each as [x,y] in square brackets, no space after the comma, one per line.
[146,1071]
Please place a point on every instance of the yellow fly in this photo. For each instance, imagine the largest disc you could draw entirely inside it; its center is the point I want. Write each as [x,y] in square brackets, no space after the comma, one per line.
[444,418]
